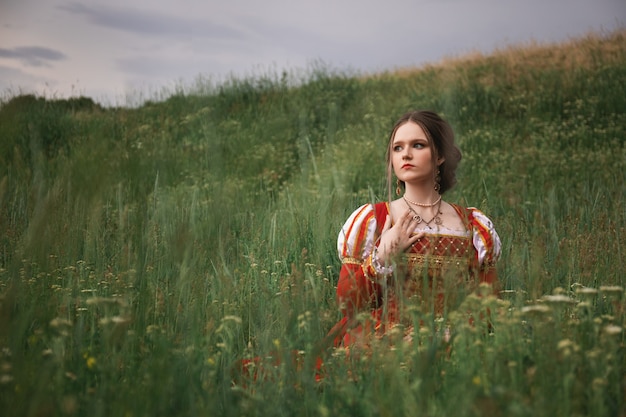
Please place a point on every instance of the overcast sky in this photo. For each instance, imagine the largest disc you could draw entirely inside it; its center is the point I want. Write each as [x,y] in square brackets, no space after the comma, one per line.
[122,51]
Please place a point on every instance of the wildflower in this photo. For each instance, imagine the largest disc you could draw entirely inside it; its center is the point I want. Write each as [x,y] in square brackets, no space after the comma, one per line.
[91,362]
[115,320]
[103,301]
[611,289]
[396,330]
[612,330]
[59,322]
[485,289]
[599,383]
[506,292]
[607,317]
[339,352]
[586,291]
[424,330]
[537,309]
[594,354]
[277,343]
[558,299]
[584,305]
[152,328]
[565,344]
[476,380]
[5,379]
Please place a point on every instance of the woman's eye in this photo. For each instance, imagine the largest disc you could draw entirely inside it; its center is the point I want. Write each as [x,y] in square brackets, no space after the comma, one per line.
[418,145]
[397,148]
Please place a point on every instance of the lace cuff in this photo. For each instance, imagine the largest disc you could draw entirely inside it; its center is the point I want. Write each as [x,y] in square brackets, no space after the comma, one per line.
[373,268]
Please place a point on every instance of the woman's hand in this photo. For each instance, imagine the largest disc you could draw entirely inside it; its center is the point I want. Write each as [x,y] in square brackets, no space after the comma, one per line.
[398,238]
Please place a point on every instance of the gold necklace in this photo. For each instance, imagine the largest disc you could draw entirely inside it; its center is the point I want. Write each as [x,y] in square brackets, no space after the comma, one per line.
[422,204]
[419,219]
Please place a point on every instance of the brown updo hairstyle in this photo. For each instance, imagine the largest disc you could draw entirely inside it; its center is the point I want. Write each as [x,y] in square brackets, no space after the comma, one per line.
[440,137]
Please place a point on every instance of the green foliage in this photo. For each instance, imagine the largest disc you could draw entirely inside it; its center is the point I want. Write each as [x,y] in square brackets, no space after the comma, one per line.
[29,125]
[145,252]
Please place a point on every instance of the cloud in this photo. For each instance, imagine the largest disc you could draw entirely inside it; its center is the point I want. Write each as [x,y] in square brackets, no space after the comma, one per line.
[33,56]
[152,23]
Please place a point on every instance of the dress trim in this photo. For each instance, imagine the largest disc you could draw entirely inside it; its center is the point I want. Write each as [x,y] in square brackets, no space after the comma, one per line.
[351,261]
[418,259]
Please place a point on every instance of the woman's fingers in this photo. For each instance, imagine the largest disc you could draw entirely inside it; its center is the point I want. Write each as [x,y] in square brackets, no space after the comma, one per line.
[404,230]
[405,220]
[401,235]
[412,220]
[416,237]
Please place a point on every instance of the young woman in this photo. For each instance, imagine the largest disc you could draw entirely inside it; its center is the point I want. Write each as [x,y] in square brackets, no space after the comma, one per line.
[417,255]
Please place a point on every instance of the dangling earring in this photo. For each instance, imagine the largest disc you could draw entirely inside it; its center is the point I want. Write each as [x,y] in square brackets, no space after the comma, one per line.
[437,181]
[398,187]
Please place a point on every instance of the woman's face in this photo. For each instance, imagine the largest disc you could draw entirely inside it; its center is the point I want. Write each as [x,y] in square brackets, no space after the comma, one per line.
[411,154]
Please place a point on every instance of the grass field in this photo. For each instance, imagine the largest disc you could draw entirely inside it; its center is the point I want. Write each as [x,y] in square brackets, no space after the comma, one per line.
[145,251]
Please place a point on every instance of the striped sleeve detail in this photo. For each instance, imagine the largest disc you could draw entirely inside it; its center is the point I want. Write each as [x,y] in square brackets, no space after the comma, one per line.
[485,238]
[356,238]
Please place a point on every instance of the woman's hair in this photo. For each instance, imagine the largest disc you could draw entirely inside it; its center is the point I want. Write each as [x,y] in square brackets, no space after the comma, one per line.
[440,137]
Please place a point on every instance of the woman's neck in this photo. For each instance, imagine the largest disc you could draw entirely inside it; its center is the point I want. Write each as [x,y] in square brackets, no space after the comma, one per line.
[421,195]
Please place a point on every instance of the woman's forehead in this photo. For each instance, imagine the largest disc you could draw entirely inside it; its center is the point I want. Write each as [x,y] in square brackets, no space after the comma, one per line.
[408,131]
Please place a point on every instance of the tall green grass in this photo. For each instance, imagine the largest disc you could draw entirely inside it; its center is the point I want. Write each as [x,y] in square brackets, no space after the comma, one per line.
[144,252]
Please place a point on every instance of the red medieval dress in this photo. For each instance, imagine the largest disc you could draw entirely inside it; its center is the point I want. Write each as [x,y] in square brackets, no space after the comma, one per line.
[432,278]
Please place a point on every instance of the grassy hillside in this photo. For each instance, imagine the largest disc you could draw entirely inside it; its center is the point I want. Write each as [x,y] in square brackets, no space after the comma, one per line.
[144,251]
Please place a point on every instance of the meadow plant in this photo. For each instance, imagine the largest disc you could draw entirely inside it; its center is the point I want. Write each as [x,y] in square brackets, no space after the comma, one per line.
[145,252]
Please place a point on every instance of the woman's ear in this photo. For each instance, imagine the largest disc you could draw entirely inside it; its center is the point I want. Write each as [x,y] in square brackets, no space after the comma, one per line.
[440,161]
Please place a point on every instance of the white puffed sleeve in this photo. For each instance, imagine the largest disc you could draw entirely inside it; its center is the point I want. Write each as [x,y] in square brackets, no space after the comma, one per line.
[485,238]
[357,236]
